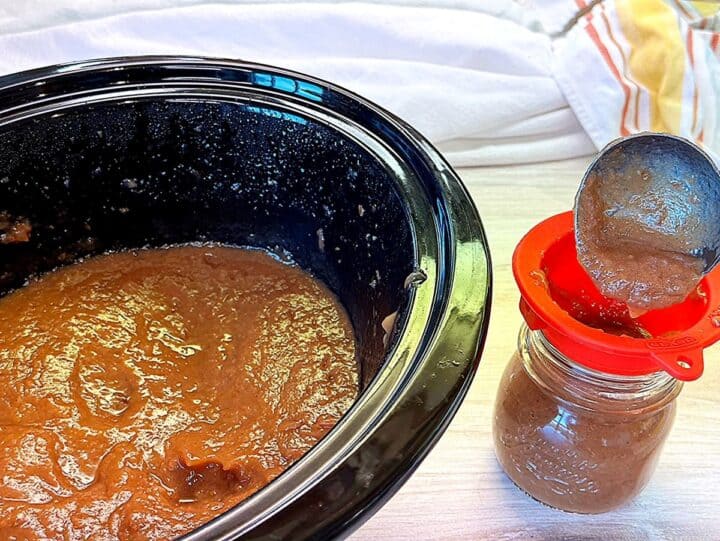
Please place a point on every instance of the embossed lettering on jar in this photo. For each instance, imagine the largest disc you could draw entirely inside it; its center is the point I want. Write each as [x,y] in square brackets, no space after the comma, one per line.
[574,438]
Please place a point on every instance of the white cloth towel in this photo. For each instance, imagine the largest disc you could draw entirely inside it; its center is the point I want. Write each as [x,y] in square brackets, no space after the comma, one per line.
[474,76]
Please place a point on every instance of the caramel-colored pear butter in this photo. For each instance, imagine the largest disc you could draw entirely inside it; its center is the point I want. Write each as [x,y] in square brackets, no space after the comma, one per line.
[635,251]
[144,393]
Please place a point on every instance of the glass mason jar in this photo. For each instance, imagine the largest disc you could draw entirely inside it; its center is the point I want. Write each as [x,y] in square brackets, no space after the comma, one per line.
[575,438]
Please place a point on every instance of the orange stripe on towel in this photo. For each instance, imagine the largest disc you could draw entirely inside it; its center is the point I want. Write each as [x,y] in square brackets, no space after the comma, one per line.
[592,32]
[689,16]
[625,79]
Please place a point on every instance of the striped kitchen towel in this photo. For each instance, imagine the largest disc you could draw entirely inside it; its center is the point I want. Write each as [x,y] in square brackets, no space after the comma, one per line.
[488,82]
[633,65]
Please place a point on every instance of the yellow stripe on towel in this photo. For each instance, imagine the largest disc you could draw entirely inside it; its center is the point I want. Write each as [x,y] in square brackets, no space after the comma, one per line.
[706,9]
[657,58]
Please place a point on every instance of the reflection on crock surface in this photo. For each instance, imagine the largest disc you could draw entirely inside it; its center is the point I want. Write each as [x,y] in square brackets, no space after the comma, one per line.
[146,392]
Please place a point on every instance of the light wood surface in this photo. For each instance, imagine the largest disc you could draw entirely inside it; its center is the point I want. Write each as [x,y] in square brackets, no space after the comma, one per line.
[460,493]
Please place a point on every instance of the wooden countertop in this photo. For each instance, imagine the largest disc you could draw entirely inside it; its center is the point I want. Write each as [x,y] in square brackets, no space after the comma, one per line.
[460,493]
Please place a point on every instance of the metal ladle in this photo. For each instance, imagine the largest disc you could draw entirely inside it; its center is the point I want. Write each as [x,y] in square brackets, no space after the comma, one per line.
[680,197]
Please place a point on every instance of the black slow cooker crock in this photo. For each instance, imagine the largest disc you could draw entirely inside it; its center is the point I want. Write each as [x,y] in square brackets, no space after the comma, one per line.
[129,152]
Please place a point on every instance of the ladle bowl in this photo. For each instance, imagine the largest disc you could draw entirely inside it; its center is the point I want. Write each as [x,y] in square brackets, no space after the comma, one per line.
[669,185]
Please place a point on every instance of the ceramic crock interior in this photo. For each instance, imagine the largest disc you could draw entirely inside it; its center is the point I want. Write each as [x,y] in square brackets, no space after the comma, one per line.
[156,171]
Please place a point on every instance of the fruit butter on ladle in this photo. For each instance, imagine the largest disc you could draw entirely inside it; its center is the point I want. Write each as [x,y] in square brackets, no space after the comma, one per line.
[647,219]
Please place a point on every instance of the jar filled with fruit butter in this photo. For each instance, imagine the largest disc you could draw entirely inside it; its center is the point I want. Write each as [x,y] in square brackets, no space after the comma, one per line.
[588,398]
